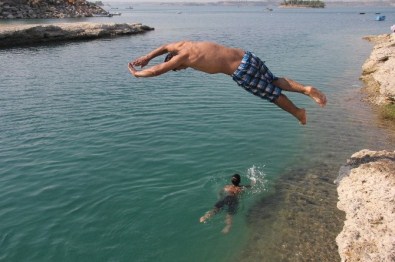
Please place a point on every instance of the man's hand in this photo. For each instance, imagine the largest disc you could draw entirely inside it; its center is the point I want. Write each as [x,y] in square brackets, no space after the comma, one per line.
[132,70]
[141,61]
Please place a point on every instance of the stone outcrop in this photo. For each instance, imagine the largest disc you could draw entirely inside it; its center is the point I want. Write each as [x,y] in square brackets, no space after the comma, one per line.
[379,70]
[15,35]
[25,9]
[366,189]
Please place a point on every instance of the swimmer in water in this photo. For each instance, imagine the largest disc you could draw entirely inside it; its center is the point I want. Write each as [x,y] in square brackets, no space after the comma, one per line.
[230,200]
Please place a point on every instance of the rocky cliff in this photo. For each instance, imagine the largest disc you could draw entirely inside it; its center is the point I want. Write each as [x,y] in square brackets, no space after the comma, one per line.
[366,189]
[379,70]
[25,9]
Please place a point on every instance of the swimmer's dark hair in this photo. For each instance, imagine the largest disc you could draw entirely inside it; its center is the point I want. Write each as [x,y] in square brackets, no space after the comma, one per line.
[236,179]
[168,57]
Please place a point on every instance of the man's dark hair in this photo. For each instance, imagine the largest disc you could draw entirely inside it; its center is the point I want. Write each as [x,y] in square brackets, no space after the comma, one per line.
[236,179]
[168,57]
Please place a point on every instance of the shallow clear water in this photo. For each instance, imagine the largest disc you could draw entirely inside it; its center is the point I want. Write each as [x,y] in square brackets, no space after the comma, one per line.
[96,165]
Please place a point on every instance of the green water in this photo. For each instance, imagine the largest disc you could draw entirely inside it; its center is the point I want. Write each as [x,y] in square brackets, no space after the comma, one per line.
[99,166]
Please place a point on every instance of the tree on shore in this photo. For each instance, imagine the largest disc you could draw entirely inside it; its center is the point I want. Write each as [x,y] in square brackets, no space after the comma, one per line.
[304,3]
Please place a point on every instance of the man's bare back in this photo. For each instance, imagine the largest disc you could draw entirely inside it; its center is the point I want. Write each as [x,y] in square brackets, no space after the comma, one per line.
[233,190]
[207,57]
[210,57]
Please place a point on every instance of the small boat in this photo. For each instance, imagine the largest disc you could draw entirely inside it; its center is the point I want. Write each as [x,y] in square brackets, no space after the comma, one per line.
[380,18]
[362,13]
[115,13]
[102,15]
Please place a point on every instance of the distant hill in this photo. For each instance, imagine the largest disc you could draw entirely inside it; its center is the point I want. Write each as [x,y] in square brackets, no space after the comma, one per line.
[25,9]
[280,3]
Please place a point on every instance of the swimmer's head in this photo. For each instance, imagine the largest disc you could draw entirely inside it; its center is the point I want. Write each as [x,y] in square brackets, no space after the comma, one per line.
[236,179]
[168,57]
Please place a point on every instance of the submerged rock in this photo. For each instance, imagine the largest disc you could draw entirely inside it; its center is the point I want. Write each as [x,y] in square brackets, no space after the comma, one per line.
[366,189]
[16,35]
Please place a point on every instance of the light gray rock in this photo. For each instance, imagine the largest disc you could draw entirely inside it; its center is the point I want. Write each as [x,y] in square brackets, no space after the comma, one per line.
[366,189]
[378,71]
[15,35]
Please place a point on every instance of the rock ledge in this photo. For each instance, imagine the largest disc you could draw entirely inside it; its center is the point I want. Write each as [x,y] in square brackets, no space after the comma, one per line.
[11,36]
[379,69]
[366,189]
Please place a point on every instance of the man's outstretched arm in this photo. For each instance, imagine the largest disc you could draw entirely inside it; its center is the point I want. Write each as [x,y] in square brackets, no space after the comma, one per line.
[174,63]
[144,60]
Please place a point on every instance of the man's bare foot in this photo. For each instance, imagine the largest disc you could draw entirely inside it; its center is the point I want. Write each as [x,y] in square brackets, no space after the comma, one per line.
[301,116]
[205,217]
[317,95]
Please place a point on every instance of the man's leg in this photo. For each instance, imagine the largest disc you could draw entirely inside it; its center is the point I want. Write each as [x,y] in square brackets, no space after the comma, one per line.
[293,86]
[228,221]
[209,214]
[284,103]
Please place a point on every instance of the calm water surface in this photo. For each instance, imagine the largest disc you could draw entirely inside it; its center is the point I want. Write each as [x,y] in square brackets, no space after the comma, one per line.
[96,165]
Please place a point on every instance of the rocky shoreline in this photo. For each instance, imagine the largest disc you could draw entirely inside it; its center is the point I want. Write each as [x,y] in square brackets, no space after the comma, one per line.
[366,183]
[39,9]
[366,189]
[379,70]
[22,35]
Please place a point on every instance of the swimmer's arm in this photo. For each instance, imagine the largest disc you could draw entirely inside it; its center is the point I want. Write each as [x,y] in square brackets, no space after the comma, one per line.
[253,182]
[143,61]
[159,69]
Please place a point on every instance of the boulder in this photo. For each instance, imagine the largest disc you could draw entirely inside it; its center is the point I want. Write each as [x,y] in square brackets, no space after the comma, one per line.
[378,71]
[366,190]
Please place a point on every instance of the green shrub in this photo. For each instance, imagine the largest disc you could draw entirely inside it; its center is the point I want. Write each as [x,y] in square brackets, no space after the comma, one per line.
[388,112]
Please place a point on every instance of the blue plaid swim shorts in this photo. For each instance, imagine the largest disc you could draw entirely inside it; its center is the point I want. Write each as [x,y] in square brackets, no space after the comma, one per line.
[253,75]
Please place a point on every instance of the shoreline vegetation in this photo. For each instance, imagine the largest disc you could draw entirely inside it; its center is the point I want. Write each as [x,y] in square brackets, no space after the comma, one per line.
[302,3]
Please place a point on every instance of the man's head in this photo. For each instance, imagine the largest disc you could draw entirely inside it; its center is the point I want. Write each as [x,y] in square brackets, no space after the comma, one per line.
[168,57]
[236,179]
